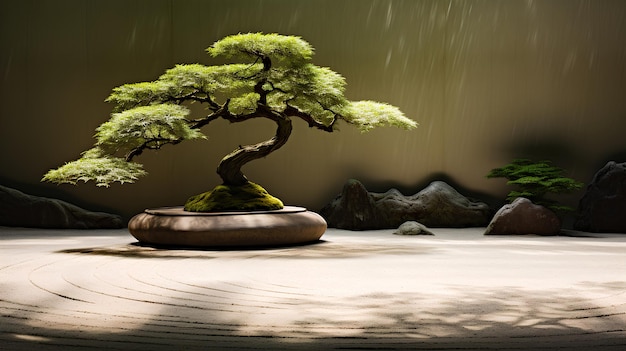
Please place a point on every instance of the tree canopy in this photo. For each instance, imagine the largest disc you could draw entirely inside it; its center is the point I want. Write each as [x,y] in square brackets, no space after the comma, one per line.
[273,78]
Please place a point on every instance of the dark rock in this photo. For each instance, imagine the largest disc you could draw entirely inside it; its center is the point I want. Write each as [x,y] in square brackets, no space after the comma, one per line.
[412,228]
[21,210]
[353,209]
[523,217]
[438,205]
[603,206]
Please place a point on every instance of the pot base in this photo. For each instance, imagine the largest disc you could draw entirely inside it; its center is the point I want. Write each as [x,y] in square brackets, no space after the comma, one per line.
[172,226]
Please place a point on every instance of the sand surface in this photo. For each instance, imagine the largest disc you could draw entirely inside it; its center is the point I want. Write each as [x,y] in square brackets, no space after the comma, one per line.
[371,290]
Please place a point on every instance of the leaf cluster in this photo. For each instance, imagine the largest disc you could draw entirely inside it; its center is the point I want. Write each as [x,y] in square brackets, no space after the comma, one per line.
[316,91]
[97,167]
[280,48]
[367,115]
[534,180]
[149,126]
[188,82]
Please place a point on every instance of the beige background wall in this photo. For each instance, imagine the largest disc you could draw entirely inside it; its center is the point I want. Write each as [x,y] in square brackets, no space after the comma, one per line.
[488,81]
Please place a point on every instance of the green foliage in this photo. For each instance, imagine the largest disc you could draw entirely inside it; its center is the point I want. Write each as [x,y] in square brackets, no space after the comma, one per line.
[317,91]
[97,167]
[152,126]
[191,82]
[535,180]
[247,197]
[290,49]
[228,80]
[131,95]
[244,104]
[367,115]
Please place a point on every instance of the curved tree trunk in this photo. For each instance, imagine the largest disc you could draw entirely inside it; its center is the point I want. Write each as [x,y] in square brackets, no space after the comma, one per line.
[229,168]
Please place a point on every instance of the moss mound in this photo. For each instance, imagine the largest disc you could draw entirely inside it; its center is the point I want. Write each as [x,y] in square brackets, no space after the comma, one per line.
[247,197]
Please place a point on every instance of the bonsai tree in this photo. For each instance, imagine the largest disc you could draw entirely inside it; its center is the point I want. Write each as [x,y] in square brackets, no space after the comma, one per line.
[273,79]
[535,180]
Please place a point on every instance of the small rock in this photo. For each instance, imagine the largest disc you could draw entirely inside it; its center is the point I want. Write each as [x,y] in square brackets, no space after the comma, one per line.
[523,217]
[412,228]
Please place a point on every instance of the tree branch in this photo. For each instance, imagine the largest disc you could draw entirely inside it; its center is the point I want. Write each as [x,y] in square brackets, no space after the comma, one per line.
[313,123]
[139,149]
[192,96]
[222,112]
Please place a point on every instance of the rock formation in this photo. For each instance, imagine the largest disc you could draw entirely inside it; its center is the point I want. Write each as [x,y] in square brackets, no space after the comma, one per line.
[603,206]
[21,210]
[523,217]
[438,205]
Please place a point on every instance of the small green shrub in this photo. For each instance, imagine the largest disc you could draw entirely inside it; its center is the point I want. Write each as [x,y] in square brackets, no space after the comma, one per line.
[535,180]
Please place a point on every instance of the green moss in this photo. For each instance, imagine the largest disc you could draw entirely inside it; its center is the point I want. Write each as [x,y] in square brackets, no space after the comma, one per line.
[247,197]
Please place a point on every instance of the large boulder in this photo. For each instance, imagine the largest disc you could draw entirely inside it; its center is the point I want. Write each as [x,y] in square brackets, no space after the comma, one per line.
[22,210]
[603,206]
[438,205]
[523,217]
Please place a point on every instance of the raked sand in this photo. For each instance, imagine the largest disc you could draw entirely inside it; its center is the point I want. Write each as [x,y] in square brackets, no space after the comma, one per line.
[370,290]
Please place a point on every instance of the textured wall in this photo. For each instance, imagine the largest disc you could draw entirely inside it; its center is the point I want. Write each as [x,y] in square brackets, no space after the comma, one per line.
[488,81]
